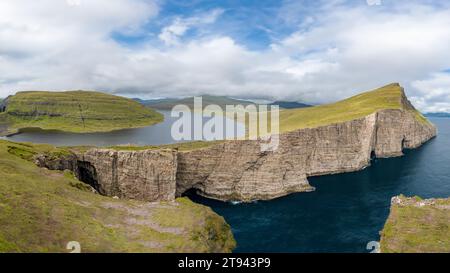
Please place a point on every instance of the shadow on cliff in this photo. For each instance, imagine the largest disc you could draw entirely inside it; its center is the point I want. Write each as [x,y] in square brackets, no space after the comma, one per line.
[87,173]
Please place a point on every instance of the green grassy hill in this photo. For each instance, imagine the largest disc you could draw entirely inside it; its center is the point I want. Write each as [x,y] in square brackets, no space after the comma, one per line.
[387,97]
[417,226]
[75,111]
[42,210]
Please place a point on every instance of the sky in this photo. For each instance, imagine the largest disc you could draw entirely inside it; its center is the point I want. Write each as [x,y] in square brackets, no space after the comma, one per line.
[309,51]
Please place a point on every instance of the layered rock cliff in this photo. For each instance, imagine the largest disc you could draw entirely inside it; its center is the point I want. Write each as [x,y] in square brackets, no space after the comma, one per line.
[240,170]
[148,175]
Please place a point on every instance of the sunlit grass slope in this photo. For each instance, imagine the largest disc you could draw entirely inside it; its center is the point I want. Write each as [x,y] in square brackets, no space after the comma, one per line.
[76,111]
[42,210]
[387,97]
[416,225]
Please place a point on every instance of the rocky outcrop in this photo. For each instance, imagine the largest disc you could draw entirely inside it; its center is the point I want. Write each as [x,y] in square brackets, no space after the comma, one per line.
[240,170]
[142,175]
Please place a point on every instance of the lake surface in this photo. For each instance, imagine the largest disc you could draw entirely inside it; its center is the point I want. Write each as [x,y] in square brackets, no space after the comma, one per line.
[157,134]
[346,211]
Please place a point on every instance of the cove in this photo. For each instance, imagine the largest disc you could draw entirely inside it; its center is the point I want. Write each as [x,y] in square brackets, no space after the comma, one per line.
[346,211]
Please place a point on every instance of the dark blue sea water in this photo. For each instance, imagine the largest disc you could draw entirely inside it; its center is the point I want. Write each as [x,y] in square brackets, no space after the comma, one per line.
[347,210]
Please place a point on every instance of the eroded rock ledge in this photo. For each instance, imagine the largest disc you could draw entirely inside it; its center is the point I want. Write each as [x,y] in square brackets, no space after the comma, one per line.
[238,170]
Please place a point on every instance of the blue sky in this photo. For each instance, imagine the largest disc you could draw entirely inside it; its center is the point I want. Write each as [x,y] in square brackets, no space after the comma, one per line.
[255,24]
[311,51]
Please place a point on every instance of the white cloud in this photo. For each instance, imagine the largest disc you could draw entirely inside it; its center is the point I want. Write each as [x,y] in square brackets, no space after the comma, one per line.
[433,94]
[170,34]
[49,45]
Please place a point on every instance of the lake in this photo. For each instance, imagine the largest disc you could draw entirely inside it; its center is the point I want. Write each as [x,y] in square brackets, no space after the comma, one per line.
[157,134]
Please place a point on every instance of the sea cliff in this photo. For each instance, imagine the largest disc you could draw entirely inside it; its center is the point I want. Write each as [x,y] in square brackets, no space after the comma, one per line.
[240,171]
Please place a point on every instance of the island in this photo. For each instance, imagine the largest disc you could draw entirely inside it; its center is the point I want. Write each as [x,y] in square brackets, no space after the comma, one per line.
[417,225]
[73,111]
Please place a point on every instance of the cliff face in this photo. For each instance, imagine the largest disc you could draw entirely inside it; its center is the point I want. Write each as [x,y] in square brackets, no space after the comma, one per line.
[238,170]
[146,175]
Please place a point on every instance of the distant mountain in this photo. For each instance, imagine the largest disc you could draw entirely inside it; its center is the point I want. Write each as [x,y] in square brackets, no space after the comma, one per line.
[222,101]
[290,104]
[438,115]
[167,104]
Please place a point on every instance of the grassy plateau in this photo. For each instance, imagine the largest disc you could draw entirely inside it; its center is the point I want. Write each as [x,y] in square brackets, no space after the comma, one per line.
[75,111]
[387,97]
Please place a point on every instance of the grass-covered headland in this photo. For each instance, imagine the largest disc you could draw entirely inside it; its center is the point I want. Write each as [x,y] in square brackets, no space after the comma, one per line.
[417,225]
[387,97]
[43,210]
[74,111]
